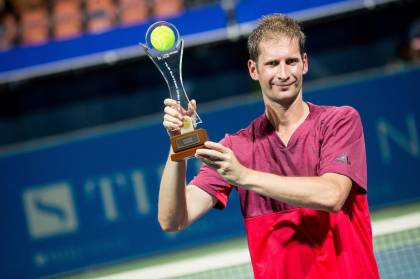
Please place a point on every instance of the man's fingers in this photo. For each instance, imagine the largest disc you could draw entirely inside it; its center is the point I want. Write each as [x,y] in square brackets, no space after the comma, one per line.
[213,155]
[170,102]
[174,104]
[173,111]
[170,126]
[192,106]
[216,146]
[209,162]
[175,114]
[171,118]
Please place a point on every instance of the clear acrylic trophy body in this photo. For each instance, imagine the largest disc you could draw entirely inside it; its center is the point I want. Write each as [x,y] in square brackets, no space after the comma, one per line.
[169,63]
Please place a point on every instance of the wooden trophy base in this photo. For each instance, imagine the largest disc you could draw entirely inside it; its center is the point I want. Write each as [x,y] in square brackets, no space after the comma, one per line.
[185,145]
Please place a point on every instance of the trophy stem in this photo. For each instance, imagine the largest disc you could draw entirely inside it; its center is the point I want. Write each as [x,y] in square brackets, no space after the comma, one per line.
[170,66]
[169,62]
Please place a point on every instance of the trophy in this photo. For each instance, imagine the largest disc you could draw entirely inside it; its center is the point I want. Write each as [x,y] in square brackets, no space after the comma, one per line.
[164,47]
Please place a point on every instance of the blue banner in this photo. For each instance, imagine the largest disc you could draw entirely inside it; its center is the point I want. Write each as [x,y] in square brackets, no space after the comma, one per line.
[86,46]
[251,10]
[92,199]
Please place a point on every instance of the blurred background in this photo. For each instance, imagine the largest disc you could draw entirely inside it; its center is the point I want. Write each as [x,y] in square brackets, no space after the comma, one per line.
[82,146]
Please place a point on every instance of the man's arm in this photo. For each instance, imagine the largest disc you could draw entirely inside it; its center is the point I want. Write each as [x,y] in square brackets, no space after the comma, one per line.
[327,192]
[179,205]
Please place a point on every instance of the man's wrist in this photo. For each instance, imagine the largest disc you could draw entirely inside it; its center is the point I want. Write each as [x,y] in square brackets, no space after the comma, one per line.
[246,177]
[171,152]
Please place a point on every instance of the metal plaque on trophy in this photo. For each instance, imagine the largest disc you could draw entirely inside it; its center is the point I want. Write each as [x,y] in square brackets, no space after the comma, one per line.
[165,48]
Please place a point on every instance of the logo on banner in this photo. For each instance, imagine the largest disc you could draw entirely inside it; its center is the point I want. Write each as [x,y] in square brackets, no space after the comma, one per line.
[50,210]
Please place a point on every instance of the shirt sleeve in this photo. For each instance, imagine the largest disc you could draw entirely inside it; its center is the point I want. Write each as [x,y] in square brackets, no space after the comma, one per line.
[213,183]
[343,146]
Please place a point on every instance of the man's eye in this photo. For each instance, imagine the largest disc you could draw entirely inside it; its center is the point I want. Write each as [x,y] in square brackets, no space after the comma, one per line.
[292,61]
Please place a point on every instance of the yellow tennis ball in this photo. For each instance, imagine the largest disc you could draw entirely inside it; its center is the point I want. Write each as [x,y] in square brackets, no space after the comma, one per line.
[162,38]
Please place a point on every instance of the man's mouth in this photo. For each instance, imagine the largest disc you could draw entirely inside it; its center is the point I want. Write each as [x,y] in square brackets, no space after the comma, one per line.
[283,86]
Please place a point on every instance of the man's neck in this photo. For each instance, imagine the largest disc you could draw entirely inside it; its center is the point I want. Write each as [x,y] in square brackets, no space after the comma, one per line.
[288,115]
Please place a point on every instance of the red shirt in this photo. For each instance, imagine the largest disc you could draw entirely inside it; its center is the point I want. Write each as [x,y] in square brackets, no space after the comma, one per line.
[286,241]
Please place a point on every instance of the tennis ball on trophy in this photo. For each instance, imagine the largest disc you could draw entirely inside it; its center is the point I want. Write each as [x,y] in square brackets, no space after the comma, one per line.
[162,38]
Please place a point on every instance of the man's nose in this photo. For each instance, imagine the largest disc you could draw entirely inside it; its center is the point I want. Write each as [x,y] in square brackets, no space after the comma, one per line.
[283,72]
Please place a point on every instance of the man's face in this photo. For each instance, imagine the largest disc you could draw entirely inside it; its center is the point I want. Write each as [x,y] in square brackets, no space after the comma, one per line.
[279,69]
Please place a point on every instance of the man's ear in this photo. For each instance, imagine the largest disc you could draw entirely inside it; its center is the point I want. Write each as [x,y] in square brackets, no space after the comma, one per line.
[305,63]
[252,68]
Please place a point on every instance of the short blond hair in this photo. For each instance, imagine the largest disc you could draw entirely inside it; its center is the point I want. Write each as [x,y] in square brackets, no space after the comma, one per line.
[272,26]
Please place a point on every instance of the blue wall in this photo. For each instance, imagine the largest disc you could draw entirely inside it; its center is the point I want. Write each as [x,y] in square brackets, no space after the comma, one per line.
[92,200]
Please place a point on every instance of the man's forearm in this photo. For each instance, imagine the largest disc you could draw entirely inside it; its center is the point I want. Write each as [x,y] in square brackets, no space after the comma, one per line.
[321,193]
[172,210]
[326,192]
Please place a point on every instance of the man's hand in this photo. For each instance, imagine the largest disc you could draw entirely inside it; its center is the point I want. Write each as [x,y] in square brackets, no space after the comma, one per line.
[223,160]
[174,114]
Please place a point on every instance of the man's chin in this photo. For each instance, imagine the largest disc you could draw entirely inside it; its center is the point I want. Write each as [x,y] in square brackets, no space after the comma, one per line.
[285,99]
[286,93]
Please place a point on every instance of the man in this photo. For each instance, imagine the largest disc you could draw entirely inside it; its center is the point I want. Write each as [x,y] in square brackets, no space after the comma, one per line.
[299,169]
